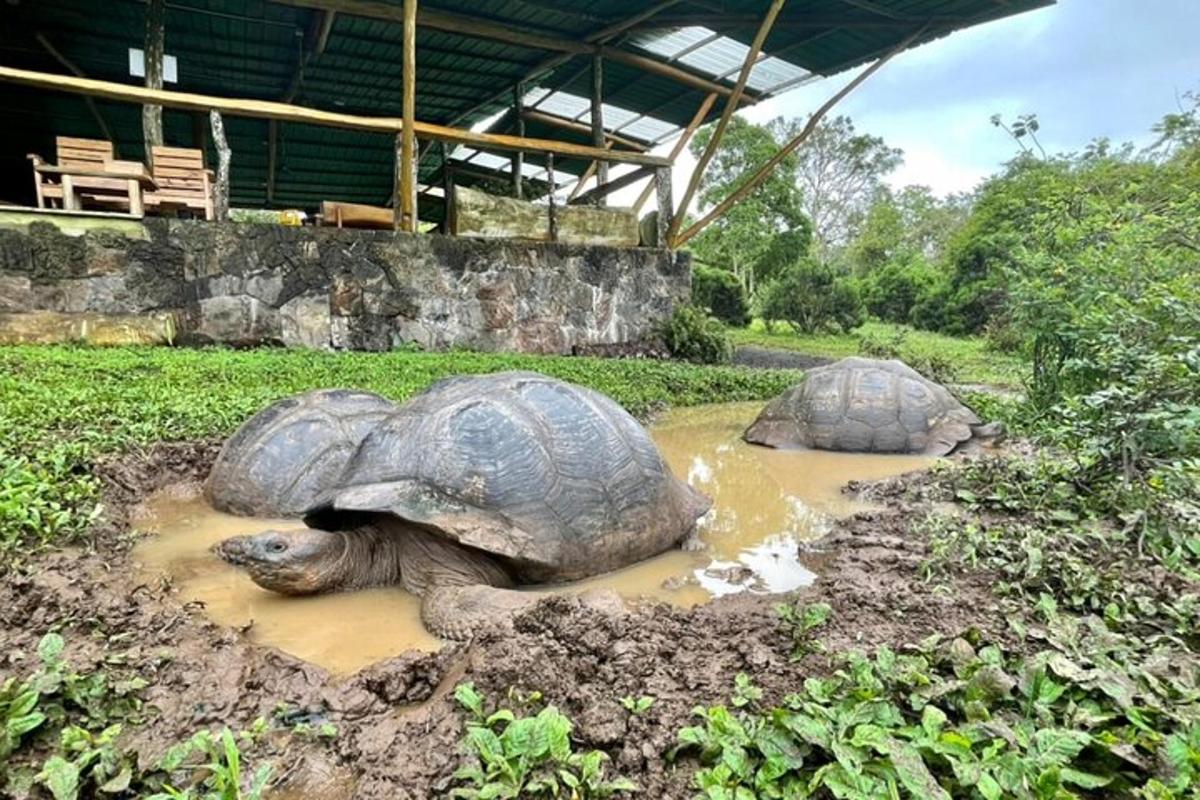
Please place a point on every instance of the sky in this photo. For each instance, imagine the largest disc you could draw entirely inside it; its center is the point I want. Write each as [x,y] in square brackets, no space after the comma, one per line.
[1087,68]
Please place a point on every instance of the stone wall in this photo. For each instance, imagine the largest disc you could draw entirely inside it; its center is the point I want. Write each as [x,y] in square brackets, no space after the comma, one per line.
[328,288]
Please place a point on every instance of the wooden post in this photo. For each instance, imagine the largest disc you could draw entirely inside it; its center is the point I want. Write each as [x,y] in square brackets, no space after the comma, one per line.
[758,177]
[684,138]
[730,106]
[598,121]
[448,219]
[553,211]
[406,183]
[518,157]
[666,203]
[152,132]
[224,155]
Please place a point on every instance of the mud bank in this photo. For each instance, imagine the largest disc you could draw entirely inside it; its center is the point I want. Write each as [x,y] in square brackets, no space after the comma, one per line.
[398,727]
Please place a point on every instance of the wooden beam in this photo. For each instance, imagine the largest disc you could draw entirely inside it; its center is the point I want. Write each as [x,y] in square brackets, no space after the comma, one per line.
[680,144]
[521,37]
[152,132]
[602,190]
[730,106]
[584,178]
[267,109]
[546,118]
[761,174]
[406,209]
[325,28]
[91,104]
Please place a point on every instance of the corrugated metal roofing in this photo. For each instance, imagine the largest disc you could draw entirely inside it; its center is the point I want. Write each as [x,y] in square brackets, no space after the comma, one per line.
[266,50]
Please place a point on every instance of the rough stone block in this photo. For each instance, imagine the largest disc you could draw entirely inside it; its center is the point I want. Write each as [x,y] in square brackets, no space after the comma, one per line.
[305,321]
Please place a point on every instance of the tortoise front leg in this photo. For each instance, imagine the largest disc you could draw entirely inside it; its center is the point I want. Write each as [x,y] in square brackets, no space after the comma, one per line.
[460,612]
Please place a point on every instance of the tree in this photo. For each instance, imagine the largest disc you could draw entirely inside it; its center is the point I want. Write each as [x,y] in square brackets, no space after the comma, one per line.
[738,240]
[811,297]
[840,173]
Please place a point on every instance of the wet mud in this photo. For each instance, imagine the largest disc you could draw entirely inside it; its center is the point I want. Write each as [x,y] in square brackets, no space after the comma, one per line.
[398,728]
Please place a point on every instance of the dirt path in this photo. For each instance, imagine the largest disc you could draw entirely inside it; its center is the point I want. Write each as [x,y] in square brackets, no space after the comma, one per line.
[398,727]
[769,358]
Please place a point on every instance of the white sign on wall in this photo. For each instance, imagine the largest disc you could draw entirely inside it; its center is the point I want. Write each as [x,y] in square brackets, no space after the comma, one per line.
[137,65]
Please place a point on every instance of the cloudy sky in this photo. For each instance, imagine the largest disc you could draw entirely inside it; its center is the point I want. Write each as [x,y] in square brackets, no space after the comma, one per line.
[1087,68]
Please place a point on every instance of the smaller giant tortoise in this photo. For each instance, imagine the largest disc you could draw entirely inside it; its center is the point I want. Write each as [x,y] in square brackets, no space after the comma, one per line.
[475,486]
[863,405]
[281,460]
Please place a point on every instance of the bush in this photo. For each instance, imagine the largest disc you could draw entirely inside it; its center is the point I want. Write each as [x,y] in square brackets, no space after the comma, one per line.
[722,294]
[691,334]
[891,291]
[811,297]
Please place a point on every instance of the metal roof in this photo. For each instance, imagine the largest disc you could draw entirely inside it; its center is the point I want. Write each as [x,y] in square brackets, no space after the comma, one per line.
[270,50]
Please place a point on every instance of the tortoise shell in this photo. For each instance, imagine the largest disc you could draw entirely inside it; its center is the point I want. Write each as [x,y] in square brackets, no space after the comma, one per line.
[865,405]
[558,480]
[281,460]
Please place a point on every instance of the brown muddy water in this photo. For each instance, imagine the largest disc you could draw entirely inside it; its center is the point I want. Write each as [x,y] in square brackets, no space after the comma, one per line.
[765,502]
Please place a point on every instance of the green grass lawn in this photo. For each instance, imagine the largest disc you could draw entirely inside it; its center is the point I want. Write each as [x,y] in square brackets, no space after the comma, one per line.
[973,362]
[63,407]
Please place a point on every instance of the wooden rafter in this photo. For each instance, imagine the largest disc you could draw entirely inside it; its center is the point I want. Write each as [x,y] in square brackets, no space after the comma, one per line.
[267,109]
[764,29]
[554,120]
[765,170]
[521,37]
[680,143]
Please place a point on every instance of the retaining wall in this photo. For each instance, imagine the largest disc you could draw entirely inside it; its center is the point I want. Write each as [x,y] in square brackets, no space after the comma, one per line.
[244,284]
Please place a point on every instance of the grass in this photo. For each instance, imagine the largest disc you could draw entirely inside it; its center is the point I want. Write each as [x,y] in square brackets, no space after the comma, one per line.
[970,356]
[63,407]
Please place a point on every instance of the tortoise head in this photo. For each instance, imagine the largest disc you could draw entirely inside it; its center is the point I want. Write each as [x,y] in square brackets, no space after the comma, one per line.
[300,561]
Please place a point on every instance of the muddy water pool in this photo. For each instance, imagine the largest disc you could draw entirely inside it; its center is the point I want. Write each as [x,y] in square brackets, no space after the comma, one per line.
[765,502]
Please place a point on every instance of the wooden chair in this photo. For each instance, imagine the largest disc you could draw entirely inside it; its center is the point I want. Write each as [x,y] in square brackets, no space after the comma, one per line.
[182,181]
[88,154]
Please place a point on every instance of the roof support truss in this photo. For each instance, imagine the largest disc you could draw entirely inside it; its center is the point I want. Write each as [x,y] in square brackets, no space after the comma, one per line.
[764,30]
[753,181]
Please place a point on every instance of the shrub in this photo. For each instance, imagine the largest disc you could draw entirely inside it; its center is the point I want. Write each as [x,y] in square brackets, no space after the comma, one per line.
[722,294]
[691,334]
[891,291]
[811,297]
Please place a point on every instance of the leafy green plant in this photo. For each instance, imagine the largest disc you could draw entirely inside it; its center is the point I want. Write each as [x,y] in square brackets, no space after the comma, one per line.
[637,705]
[799,621]
[812,297]
[691,334]
[213,762]
[527,756]
[1079,718]
[722,294]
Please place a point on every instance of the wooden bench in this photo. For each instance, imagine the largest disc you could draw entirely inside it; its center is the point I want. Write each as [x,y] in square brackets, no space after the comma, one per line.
[182,182]
[80,174]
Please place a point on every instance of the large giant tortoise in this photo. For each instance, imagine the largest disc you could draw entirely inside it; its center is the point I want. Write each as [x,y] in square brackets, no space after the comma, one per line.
[867,405]
[477,485]
[281,460]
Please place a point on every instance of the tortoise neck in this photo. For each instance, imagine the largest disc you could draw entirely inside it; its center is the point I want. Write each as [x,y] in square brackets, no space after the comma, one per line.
[423,560]
[371,557]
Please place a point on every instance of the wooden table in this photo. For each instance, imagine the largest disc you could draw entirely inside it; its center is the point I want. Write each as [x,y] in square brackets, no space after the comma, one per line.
[114,178]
